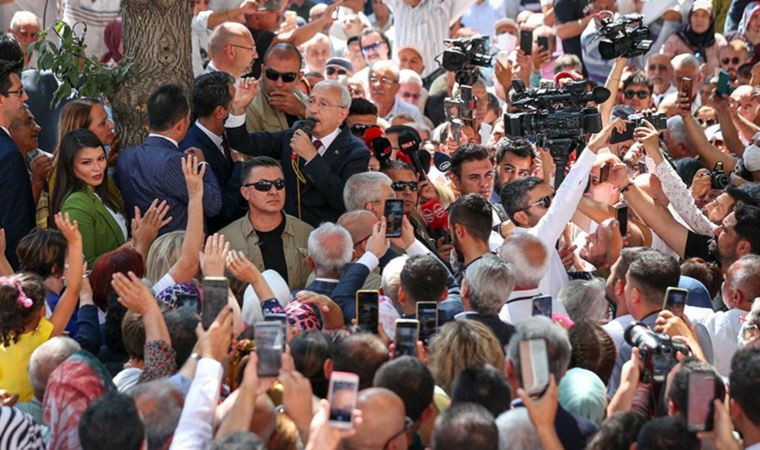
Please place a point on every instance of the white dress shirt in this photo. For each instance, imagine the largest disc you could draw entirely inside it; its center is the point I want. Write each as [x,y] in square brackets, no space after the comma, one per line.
[195,427]
[519,306]
[723,328]
[327,141]
[216,139]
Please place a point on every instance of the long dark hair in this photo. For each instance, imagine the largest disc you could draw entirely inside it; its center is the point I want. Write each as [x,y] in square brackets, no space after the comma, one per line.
[66,182]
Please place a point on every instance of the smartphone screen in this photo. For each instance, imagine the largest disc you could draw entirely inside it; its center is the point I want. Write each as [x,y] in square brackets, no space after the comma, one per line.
[723,84]
[542,306]
[342,397]
[700,401]
[270,341]
[675,300]
[280,318]
[367,310]
[394,213]
[534,366]
[543,42]
[407,335]
[622,218]
[427,314]
[526,41]
[686,84]
[214,299]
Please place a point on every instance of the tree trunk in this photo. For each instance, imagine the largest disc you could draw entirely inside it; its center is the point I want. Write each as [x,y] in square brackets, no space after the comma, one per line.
[157,38]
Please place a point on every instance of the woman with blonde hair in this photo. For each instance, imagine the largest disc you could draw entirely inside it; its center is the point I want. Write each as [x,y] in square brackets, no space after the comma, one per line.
[461,344]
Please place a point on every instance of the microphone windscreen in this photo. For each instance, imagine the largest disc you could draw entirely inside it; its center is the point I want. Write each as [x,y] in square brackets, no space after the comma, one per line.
[307,125]
[442,161]
[435,215]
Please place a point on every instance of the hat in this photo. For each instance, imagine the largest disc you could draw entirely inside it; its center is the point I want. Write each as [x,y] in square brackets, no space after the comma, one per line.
[177,294]
[342,63]
[413,48]
[751,158]
[302,316]
[583,393]
[748,193]
[269,5]
[705,5]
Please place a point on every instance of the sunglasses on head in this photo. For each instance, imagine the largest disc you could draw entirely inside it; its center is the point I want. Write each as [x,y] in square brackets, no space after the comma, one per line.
[266,185]
[334,70]
[399,186]
[735,60]
[642,94]
[287,77]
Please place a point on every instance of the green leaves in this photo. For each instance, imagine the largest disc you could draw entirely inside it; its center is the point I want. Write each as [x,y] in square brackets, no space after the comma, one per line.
[79,76]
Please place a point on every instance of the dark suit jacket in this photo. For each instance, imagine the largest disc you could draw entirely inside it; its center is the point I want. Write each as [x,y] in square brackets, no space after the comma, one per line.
[17,207]
[227,176]
[344,291]
[502,331]
[322,195]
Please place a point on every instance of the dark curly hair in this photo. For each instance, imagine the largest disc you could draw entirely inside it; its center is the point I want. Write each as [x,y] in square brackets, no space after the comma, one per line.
[593,349]
[14,317]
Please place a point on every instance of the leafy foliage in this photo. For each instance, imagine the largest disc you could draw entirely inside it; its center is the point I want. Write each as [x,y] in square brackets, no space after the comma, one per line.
[79,76]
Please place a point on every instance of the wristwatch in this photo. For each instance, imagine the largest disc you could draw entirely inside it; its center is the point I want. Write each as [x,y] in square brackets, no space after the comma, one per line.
[196,356]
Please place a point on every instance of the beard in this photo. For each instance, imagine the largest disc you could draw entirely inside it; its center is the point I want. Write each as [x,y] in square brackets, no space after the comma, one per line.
[724,259]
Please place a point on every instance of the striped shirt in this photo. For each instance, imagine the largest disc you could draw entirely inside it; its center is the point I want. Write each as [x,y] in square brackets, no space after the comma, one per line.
[96,15]
[425,26]
[18,430]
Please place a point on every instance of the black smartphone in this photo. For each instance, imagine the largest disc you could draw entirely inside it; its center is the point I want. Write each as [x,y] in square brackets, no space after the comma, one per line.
[214,299]
[626,135]
[622,218]
[701,393]
[526,41]
[270,342]
[543,42]
[542,306]
[407,335]
[723,88]
[675,300]
[394,214]
[534,366]
[367,310]
[427,315]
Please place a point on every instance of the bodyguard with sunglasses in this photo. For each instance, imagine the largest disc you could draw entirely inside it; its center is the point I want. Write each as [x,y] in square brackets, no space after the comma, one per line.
[279,102]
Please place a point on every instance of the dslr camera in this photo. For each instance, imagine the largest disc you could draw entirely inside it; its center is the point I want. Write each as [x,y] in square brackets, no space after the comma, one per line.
[719,179]
[658,351]
[624,36]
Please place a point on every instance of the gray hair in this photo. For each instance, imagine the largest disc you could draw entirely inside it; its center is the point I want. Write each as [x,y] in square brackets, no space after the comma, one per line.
[392,277]
[516,431]
[330,247]
[345,97]
[747,277]
[753,316]
[491,281]
[677,130]
[20,17]
[584,299]
[409,76]
[558,346]
[162,414]
[386,64]
[363,188]
[526,270]
[685,60]
[46,358]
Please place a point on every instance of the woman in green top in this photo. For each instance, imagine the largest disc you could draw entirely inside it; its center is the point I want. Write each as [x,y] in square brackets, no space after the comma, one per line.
[80,190]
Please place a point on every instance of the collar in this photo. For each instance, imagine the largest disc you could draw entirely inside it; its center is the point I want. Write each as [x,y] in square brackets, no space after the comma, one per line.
[463,315]
[328,139]
[326,280]
[521,295]
[6,131]
[248,226]
[216,139]
[176,144]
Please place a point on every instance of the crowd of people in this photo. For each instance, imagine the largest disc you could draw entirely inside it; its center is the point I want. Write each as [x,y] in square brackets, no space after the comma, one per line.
[611,301]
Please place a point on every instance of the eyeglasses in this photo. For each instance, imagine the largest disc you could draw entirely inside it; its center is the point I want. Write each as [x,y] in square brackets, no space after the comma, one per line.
[735,60]
[706,122]
[334,70]
[661,67]
[399,186]
[545,201]
[358,129]
[266,185]
[408,424]
[287,77]
[250,49]
[321,104]
[374,46]
[384,80]
[20,92]
[642,94]
[411,95]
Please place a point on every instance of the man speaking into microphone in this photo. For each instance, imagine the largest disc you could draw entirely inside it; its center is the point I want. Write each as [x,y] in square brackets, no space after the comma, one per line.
[317,155]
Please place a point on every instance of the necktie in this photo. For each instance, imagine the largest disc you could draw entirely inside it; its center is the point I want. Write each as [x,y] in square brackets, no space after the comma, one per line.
[226,147]
[317,144]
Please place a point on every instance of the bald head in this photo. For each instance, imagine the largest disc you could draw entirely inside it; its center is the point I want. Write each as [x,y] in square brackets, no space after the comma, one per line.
[359,224]
[527,257]
[383,417]
[231,49]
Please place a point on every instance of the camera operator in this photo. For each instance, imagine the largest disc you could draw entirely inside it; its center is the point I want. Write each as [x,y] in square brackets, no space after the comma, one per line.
[572,17]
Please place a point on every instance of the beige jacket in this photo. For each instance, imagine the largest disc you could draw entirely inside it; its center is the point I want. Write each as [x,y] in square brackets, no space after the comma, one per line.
[262,117]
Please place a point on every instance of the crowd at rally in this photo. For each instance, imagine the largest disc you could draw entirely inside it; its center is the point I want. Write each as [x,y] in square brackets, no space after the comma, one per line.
[320,246]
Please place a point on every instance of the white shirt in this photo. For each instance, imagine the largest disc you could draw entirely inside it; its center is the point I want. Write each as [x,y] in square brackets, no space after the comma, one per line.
[482,17]
[552,224]
[217,140]
[723,328]
[200,35]
[401,107]
[195,429]
[176,144]
[616,329]
[327,141]
[519,306]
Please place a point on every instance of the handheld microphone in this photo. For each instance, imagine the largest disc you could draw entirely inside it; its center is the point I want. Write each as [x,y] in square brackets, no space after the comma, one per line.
[442,161]
[307,125]
[436,218]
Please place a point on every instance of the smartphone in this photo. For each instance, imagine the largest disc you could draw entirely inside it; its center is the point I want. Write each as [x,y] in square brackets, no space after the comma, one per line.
[214,299]
[367,310]
[534,366]
[675,300]
[281,318]
[622,218]
[723,88]
[686,85]
[700,398]
[626,135]
[526,41]
[270,342]
[427,315]
[394,213]
[543,42]
[542,306]
[342,393]
[604,172]
[407,335]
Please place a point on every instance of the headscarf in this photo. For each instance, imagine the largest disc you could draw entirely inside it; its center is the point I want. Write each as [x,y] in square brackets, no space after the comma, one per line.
[303,316]
[72,387]
[112,38]
[18,431]
[698,42]
[175,295]
[749,11]
[582,392]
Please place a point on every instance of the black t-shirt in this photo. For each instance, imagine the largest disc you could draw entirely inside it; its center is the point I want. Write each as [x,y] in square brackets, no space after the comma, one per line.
[270,243]
[568,11]
[263,40]
[698,245]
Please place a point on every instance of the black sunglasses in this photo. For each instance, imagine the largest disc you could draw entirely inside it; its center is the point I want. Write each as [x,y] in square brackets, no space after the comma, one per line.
[358,129]
[333,71]
[545,201]
[707,122]
[266,185]
[399,186]
[735,60]
[287,77]
[642,94]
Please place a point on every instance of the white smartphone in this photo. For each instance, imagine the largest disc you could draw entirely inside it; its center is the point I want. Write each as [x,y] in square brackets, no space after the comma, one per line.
[344,387]
[534,366]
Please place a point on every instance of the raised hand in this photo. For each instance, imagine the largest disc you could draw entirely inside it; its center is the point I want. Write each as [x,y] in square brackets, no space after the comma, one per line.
[133,294]
[193,176]
[214,256]
[377,243]
[241,268]
[602,138]
[245,92]
[145,228]
[69,229]
[215,342]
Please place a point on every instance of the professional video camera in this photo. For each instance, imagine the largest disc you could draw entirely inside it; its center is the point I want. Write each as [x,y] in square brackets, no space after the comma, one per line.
[624,36]
[658,351]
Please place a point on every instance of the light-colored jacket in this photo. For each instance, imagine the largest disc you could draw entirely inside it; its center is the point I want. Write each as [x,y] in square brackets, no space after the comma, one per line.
[262,117]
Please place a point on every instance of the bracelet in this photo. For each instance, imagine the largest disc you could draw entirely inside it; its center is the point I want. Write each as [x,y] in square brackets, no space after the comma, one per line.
[623,191]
